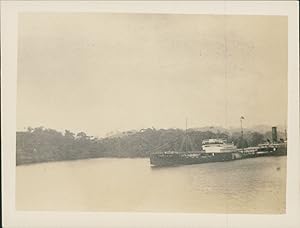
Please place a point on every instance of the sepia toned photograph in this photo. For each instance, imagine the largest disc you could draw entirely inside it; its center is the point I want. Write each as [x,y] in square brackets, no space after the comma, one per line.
[152,113]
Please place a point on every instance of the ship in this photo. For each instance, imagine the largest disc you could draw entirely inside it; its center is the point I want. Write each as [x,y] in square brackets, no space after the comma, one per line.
[213,150]
[218,150]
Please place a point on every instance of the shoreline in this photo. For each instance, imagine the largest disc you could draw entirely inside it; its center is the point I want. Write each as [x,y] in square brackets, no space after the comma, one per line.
[131,158]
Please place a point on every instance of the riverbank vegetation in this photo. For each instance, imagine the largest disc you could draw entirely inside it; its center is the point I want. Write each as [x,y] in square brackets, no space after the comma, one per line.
[43,144]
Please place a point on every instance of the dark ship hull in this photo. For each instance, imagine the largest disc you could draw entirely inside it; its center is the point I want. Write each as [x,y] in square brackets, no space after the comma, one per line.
[188,158]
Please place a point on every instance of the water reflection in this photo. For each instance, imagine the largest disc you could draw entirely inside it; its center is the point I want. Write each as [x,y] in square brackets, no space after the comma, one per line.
[245,186]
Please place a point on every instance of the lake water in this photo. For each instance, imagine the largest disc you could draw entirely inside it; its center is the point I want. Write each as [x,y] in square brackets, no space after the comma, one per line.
[247,186]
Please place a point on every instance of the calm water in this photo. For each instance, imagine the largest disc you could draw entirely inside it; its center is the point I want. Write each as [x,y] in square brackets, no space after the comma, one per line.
[245,186]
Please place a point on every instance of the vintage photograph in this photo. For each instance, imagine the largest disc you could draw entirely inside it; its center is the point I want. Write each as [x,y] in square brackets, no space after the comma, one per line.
[149,112]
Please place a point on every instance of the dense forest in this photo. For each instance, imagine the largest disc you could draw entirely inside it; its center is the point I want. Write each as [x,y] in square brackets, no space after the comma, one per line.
[43,144]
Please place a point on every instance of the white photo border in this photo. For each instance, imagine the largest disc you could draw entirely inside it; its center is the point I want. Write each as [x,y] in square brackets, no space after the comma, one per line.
[13,218]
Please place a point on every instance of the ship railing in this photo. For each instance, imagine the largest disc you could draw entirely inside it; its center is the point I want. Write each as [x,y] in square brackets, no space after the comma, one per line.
[178,152]
[213,141]
[248,150]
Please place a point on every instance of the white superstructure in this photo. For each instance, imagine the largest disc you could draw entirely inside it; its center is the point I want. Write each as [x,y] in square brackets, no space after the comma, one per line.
[218,146]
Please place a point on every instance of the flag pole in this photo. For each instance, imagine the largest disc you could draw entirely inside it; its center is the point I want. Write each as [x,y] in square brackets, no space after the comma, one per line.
[242,133]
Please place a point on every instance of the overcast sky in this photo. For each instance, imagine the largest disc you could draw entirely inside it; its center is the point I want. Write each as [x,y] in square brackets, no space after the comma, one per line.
[100,73]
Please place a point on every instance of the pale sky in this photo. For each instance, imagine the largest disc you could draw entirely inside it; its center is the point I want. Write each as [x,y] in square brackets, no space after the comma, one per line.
[100,73]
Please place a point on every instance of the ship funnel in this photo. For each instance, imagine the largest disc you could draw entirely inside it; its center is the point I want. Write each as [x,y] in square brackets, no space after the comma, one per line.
[274,134]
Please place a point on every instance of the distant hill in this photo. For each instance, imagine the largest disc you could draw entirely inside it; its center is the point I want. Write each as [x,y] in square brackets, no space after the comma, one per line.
[257,128]
[211,129]
[265,128]
[44,144]
[117,134]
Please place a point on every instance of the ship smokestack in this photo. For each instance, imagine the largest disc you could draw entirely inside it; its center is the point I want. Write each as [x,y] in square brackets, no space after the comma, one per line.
[274,134]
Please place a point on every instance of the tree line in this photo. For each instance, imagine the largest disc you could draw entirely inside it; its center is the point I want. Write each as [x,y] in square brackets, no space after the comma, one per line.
[43,144]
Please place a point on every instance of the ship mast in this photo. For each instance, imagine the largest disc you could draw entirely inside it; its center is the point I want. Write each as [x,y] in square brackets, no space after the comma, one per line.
[285,132]
[242,132]
[185,134]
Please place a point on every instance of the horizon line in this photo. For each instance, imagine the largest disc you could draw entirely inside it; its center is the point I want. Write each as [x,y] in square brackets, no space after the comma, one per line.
[112,132]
